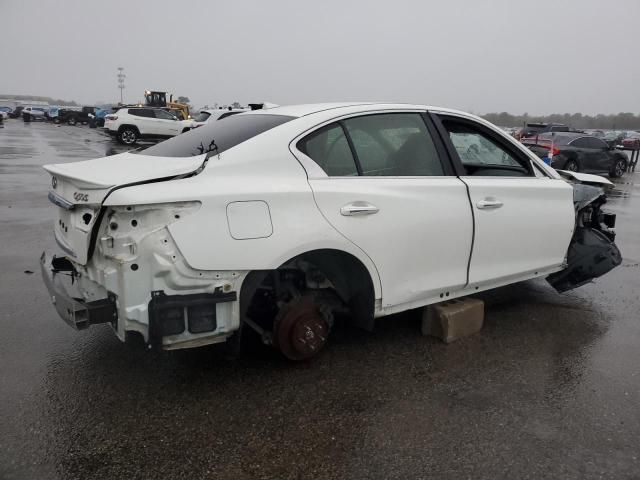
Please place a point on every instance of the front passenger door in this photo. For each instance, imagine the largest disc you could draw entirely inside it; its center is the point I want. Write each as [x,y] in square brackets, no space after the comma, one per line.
[523,222]
[167,124]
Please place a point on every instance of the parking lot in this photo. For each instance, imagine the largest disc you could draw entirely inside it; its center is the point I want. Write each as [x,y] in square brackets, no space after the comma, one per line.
[549,388]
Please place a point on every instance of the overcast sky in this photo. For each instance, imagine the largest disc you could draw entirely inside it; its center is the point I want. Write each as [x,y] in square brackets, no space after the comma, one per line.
[535,56]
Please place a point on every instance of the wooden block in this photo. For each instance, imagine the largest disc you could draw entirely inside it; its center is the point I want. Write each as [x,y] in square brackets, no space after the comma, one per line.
[453,319]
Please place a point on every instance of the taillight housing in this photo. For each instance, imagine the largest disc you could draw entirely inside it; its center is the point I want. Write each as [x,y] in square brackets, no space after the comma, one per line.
[111,117]
[554,151]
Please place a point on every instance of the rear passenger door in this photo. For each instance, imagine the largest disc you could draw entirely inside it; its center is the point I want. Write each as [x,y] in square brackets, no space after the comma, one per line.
[600,154]
[523,219]
[144,120]
[384,184]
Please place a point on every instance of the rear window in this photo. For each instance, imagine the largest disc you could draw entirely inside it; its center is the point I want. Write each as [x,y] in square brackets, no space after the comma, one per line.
[216,136]
[202,117]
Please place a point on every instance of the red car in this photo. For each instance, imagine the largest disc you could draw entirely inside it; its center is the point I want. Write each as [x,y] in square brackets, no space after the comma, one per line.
[632,141]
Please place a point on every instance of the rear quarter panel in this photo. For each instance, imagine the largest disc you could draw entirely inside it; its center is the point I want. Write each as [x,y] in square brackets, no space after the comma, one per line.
[256,170]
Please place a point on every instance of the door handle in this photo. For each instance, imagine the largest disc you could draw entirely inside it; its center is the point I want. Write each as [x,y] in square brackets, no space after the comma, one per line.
[358,208]
[489,203]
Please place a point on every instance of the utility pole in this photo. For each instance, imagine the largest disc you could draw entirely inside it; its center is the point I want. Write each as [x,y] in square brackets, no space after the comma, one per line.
[121,77]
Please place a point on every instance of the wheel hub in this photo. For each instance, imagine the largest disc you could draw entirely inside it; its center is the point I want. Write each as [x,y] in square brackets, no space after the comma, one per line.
[301,330]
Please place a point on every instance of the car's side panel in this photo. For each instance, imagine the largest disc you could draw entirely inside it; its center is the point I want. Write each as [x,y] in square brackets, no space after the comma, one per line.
[529,231]
[276,179]
[419,240]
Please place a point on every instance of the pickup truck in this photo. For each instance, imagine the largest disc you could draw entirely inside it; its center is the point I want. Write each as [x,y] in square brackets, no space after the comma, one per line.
[72,117]
[33,113]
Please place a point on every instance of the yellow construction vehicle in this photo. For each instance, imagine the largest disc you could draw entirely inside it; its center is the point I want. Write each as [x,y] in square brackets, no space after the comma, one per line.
[159,99]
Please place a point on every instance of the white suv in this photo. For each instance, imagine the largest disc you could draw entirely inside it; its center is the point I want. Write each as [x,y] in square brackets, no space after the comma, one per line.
[273,221]
[129,124]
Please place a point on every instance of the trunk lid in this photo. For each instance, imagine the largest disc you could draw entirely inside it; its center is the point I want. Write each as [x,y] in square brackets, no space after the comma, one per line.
[79,188]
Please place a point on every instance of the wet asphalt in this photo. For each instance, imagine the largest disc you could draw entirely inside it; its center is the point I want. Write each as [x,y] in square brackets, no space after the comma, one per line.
[550,388]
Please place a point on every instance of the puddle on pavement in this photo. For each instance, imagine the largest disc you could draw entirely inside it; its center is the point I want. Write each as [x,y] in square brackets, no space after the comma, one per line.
[624,187]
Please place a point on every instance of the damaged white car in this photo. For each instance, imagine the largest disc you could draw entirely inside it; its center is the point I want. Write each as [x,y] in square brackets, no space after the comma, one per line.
[276,220]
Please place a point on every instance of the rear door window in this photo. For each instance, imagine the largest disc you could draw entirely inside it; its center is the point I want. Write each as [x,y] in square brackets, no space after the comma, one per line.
[394,144]
[142,112]
[580,143]
[217,136]
[596,143]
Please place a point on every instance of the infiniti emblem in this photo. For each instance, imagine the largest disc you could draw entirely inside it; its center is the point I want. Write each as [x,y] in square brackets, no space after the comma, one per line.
[54,182]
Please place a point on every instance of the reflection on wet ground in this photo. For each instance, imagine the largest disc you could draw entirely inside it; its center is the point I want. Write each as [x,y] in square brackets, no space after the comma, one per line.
[549,388]
[623,189]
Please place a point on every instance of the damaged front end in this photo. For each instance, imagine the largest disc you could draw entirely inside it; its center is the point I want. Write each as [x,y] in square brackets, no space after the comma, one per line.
[592,251]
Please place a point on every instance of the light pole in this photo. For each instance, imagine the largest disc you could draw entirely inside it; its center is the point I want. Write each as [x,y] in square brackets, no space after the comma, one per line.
[121,77]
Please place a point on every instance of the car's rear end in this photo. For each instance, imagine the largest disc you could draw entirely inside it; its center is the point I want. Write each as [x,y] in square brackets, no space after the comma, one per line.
[116,255]
[122,264]
[631,141]
[111,122]
[550,147]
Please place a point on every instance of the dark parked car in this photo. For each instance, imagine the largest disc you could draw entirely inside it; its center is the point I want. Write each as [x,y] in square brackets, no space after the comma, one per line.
[579,153]
[17,112]
[631,141]
[533,129]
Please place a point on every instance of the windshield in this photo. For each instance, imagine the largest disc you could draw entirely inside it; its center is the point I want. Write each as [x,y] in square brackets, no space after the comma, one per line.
[216,136]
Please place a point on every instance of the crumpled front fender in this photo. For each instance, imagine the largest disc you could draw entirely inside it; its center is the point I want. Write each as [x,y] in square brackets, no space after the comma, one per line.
[591,255]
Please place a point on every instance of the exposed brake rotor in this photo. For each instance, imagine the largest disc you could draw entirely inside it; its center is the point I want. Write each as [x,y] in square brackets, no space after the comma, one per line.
[300,329]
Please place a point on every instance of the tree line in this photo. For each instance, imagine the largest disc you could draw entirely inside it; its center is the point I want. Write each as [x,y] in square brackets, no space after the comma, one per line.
[618,121]
[40,98]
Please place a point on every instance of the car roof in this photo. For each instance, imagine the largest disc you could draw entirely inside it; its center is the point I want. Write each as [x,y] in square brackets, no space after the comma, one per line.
[223,110]
[349,107]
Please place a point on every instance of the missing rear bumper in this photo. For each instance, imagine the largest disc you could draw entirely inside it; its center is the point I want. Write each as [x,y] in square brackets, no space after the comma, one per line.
[76,312]
[174,315]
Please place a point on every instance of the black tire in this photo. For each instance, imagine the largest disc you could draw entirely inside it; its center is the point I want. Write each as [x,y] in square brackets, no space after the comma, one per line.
[618,168]
[56,120]
[127,136]
[72,120]
[572,166]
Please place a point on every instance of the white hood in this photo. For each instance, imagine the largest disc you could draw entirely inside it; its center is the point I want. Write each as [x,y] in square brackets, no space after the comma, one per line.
[586,178]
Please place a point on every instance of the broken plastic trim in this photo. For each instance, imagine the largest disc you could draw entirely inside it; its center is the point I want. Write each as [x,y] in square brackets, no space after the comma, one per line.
[592,251]
[591,255]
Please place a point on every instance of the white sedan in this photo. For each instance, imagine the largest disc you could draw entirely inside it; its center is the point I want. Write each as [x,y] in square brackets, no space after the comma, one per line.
[211,115]
[273,221]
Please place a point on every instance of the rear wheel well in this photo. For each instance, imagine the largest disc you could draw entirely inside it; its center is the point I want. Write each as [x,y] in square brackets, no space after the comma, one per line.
[130,127]
[322,270]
